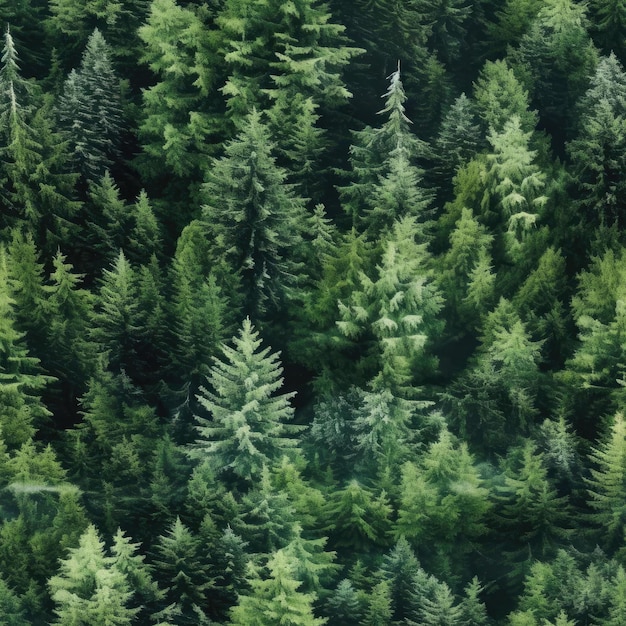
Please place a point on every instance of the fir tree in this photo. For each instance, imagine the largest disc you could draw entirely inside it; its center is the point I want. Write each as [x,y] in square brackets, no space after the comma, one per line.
[183,570]
[90,110]
[249,426]
[606,497]
[256,220]
[276,599]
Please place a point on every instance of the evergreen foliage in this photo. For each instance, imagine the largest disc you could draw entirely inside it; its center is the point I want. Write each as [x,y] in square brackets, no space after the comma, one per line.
[419,205]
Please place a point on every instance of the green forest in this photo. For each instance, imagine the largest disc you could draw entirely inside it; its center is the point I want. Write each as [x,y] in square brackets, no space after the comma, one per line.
[313,313]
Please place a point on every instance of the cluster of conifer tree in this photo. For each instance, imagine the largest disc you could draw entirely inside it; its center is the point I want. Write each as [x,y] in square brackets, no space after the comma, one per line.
[313,313]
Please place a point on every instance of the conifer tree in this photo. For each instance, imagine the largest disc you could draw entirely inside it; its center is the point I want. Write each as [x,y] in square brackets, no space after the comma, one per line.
[378,611]
[499,96]
[372,150]
[344,606]
[458,140]
[181,566]
[530,511]
[470,250]
[557,56]
[443,503]
[606,496]
[248,427]
[399,567]
[266,517]
[318,343]
[90,110]
[273,49]
[199,316]
[39,192]
[396,311]
[600,146]
[256,220]
[115,321]
[356,518]
[608,22]
[68,306]
[498,395]
[179,124]
[276,599]
[89,589]
[20,374]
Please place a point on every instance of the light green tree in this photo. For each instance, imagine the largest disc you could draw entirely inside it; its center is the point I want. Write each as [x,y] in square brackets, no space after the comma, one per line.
[249,425]
[276,598]
[89,589]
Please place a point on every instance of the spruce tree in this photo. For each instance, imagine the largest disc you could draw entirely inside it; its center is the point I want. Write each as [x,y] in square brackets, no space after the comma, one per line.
[276,599]
[179,126]
[39,191]
[90,110]
[249,421]
[396,312]
[89,589]
[182,568]
[606,496]
[256,220]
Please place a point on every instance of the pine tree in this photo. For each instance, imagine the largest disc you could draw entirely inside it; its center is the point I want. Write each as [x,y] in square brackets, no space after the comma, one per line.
[458,140]
[39,192]
[499,96]
[600,145]
[373,148]
[11,606]
[273,49]
[249,426]
[606,496]
[90,110]
[399,568]
[276,599]
[20,374]
[557,56]
[397,311]
[473,610]
[266,517]
[198,315]
[470,247]
[68,306]
[255,219]
[498,395]
[179,125]
[182,568]
[356,518]
[108,219]
[443,504]
[608,21]
[344,606]
[530,511]
[378,611]
[115,321]
[89,589]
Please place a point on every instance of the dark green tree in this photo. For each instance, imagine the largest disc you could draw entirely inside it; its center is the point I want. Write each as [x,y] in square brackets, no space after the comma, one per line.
[182,567]
[608,19]
[606,497]
[557,57]
[256,220]
[90,110]
[38,190]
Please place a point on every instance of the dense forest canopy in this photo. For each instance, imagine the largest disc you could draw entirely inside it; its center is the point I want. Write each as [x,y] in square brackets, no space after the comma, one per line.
[313,312]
